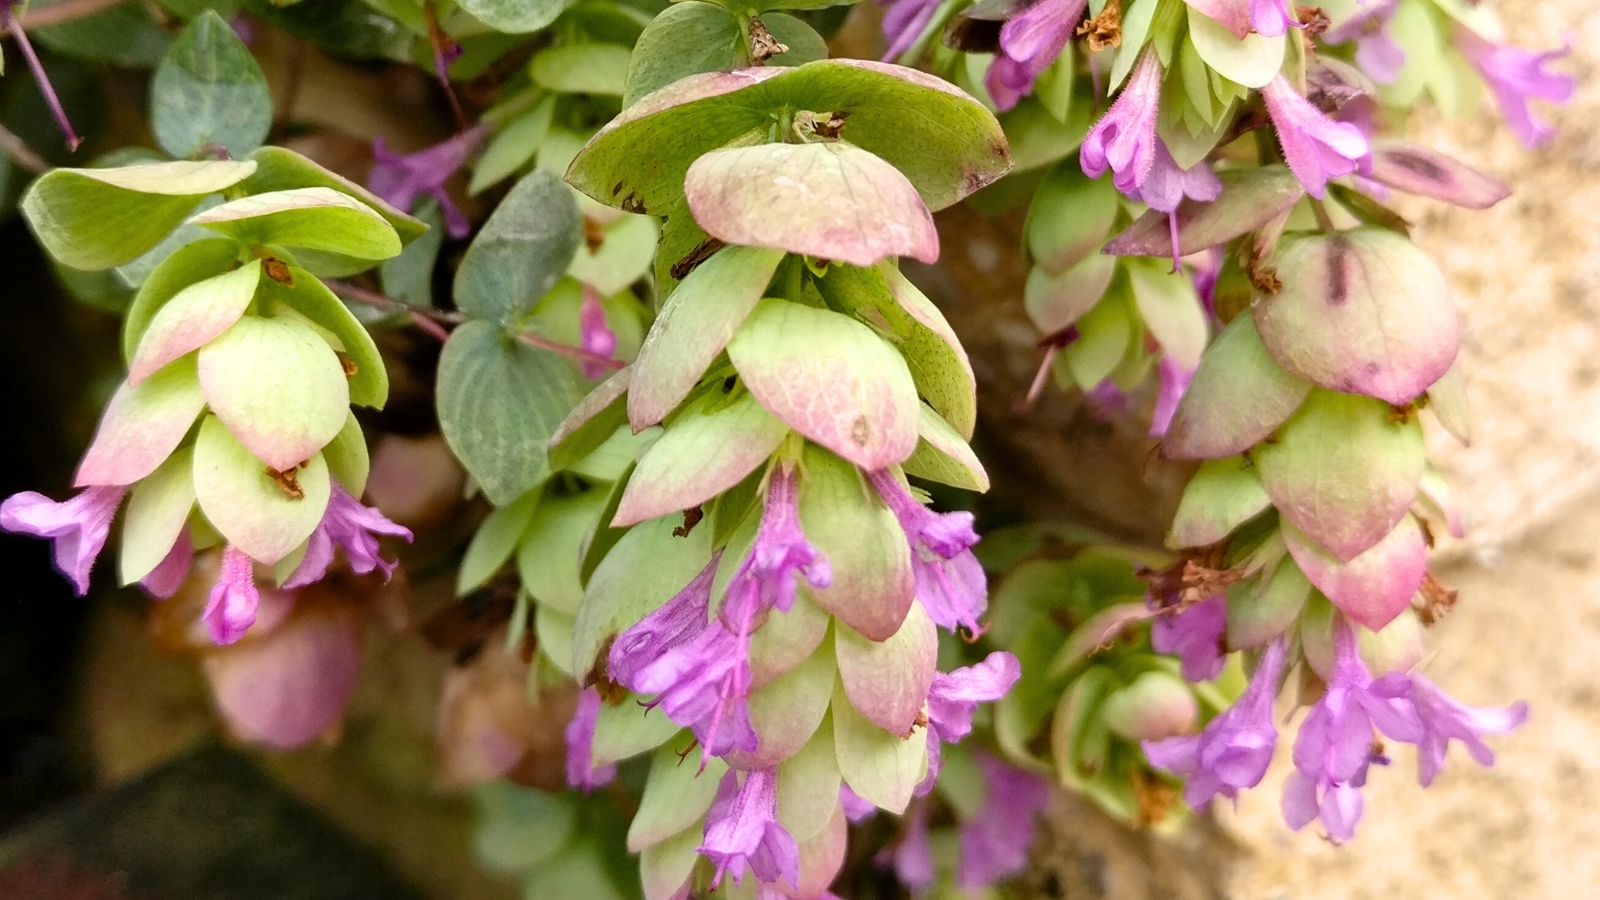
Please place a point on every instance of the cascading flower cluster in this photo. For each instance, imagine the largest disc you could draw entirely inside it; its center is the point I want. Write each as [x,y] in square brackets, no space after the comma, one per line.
[775,597]
[233,427]
[1306,530]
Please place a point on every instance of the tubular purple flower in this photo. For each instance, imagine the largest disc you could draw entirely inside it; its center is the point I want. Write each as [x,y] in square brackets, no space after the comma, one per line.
[913,857]
[995,842]
[1272,18]
[173,570]
[1029,43]
[582,773]
[1444,719]
[903,22]
[1316,147]
[1167,185]
[78,527]
[1335,745]
[347,524]
[765,579]
[855,808]
[953,699]
[234,599]
[950,582]
[1516,76]
[1377,54]
[9,23]
[1195,635]
[1125,137]
[742,830]
[400,179]
[595,336]
[697,667]
[1233,751]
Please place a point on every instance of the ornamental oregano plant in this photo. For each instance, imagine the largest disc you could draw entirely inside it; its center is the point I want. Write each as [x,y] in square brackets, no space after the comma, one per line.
[704,414]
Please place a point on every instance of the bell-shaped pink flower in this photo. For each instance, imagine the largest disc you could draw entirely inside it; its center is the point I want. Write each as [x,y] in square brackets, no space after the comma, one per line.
[1125,137]
[1029,43]
[78,527]
[231,609]
[1334,748]
[742,830]
[1233,751]
[401,179]
[1272,18]
[594,335]
[855,808]
[950,582]
[1316,147]
[1444,719]
[903,21]
[699,670]
[355,528]
[582,773]
[995,841]
[1515,77]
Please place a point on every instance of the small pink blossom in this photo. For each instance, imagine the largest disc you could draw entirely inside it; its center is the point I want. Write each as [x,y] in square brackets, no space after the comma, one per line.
[349,525]
[950,582]
[1515,77]
[1316,147]
[742,830]
[1195,635]
[1029,43]
[1125,137]
[231,609]
[1376,51]
[595,336]
[995,841]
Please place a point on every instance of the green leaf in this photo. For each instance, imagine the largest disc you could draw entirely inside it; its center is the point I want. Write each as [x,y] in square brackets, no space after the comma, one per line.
[1252,62]
[347,457]
[512,146]
[499,401]
[98,218]
[826,199]
[830,378]
[209,91]
[708,448]
[648,567]
[552,548]
[494,542]
[942,455]
[1222,495]
[1171,311]
[581,69]
[409,276]
[186,266]
[787,711]
[685,39]
[1069,218]
[522,250]
[808,785]
[316,218]
[1251,197]
[521,828]
[515,16]
[1055,302]
[194,317]
[624,256]
[553,628]
[280,169]
[1039,138]
[882,768]
[1343,470]
[665,868]
[1103,340]
[694,327]
[676,795]
[592,422]
[942,140]
[369,385]
[1237,397]
[157,510]
[248,507]
[804,43]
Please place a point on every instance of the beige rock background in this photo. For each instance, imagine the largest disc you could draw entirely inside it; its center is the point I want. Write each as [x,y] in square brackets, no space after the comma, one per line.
[1528,626]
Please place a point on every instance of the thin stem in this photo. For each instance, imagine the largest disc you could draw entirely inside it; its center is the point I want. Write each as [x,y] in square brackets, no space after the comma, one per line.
[9,23]
[60,13]
[20,153]
[1324,221]
[433,321]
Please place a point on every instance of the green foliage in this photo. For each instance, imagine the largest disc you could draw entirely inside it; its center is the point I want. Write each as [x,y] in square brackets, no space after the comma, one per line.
[209,92]
[522,251]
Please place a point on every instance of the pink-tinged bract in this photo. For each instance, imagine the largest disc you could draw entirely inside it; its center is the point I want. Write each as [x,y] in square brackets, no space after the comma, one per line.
[164,580]
[77,527]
